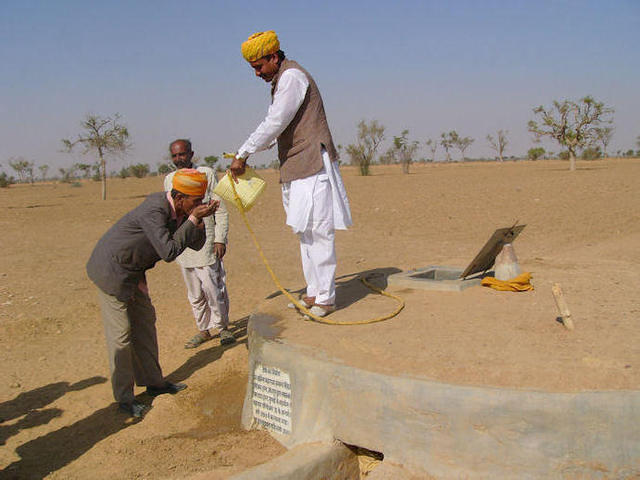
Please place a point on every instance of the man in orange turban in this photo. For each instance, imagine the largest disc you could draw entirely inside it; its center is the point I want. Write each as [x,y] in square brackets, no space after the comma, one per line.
[159,228]
[190,182]
[189,187]
[314,197]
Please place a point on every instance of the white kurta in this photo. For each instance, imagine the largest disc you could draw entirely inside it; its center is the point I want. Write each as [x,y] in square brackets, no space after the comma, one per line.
[204,273]
[314,205]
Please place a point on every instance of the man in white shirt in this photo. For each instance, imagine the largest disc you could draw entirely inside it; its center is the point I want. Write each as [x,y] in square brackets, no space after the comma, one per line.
[313,194]
[203,270]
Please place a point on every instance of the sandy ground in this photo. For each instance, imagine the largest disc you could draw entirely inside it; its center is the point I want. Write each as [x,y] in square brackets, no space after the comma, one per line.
[58,419]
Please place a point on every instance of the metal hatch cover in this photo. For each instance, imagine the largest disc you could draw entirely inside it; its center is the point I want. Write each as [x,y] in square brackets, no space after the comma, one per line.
[485,259]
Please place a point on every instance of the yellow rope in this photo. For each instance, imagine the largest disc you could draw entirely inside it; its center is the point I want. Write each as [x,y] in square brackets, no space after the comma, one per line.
[300,307]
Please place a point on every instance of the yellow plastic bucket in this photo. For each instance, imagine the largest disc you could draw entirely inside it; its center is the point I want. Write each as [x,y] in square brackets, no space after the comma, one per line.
[249,187]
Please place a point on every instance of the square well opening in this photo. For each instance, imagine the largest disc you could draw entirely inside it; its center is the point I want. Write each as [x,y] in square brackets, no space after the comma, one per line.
[437,274]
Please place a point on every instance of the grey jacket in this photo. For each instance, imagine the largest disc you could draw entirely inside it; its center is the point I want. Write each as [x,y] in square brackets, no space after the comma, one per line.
[136,243]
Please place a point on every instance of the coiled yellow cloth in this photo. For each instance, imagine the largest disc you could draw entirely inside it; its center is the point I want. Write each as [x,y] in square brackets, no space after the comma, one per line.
[521,283]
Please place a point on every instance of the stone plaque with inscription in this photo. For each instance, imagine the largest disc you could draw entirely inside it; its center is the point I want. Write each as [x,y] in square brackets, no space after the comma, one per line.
[272,399]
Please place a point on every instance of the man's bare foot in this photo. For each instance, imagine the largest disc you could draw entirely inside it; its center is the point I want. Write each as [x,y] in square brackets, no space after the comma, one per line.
[306,302]
[309,301]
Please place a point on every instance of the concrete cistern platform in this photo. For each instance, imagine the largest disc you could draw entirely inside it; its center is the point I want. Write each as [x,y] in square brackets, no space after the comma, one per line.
[375,386]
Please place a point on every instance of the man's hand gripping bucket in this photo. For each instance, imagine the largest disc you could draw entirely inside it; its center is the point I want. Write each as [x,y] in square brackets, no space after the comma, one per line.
[249,187]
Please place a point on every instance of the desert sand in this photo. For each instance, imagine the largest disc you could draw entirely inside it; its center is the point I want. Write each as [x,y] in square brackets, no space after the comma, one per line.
[57,412]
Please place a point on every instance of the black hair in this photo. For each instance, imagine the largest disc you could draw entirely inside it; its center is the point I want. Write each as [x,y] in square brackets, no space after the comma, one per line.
[175,193]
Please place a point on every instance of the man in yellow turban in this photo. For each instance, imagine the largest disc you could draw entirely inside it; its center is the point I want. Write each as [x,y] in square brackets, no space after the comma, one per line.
[313,194]
[260,45]
[160,228]
[203,270]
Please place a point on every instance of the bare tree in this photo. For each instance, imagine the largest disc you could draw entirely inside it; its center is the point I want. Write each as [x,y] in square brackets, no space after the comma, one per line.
[535,153]
[363,151]
[571,124]
[95,169]
[387,158]
[43,171]
[432,145]
[67,174]
[165,168]
[462,143]
[30,175]
[85,168]
[499,143]
[604,136]
[447,141]
[403,150]
[104,136]
[5,180]
[139,170]
[23,167]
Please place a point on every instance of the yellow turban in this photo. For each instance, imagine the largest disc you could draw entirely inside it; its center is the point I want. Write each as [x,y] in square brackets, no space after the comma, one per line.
[190,182]
[259,45]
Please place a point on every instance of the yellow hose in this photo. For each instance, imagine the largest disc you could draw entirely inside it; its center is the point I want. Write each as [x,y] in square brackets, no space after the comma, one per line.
[300,307]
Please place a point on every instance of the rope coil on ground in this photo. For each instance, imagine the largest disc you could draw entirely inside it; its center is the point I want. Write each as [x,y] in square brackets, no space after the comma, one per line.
[286,293]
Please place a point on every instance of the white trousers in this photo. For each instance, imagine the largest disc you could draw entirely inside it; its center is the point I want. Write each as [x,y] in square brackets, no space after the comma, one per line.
[317,240]
[207,293]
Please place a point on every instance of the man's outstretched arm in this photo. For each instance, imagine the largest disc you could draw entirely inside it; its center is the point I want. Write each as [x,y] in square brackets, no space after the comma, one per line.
[287,99]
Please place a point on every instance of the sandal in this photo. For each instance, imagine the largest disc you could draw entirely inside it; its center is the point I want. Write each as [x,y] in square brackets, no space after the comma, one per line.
[322,310]
[226,337]
[198,339]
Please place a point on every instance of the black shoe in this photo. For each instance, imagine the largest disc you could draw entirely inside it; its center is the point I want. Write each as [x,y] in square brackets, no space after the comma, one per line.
[135,409]
[226,337]
[168,387]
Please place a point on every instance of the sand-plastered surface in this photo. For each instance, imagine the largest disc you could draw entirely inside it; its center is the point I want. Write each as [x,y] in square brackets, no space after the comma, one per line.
[58,419]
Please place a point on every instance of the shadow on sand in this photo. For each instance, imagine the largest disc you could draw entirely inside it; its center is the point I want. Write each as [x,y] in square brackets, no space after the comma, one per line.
[349,287]
[34,462]
[205,356]
[50,452]
[29,404]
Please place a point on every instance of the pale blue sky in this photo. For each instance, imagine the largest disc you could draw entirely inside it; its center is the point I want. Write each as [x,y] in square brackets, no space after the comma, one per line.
[174,69]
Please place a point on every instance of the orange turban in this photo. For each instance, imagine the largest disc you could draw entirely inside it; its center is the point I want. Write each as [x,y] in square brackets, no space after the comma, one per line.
[259,45]
[190,182]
